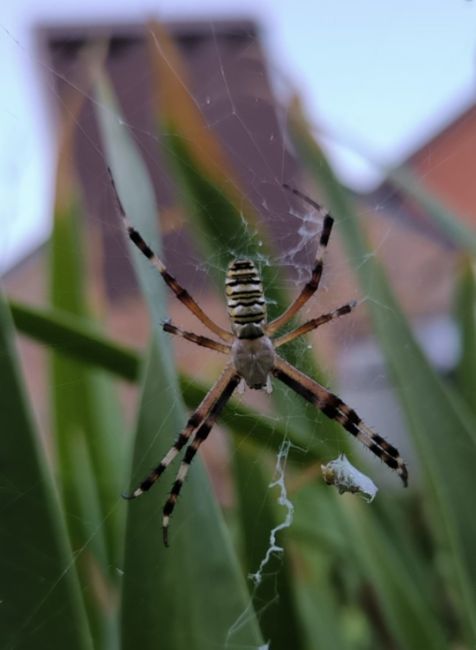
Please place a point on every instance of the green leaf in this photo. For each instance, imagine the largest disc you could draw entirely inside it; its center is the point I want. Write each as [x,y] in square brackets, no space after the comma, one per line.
[40,605]
[443,435]
[394,583]
[273,595]
[400,587]
[77,338]
[89,440]
[220,228]
[466,320]
[321,546]
[158,583]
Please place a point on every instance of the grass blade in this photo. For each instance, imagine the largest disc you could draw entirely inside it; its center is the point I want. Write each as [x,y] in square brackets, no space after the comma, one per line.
[400,589]
[443,435]
[76,338]
[466,320]
[88,451]
[273,595]
[41,604]
[159,582]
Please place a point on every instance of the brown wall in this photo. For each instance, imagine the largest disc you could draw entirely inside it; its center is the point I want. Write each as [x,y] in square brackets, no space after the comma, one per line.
[447,164]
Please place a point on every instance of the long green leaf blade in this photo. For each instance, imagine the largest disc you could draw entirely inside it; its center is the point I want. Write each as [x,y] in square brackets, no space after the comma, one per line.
[88,435]
[443,434]
[412,617]
[41,605]
[272,582]
[466,319]
[158,583]
[76,338]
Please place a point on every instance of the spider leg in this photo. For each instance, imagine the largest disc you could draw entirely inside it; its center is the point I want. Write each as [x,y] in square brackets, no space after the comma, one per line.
[310,287]
[314,324]
[336,409]
[194,421]
[181,293]
[196,338]
[199,437]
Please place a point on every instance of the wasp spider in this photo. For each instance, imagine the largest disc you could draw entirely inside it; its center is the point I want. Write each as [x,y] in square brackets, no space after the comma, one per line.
[251,347]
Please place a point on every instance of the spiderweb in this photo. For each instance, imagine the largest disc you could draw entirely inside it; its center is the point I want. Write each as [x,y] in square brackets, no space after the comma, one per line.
[235,93]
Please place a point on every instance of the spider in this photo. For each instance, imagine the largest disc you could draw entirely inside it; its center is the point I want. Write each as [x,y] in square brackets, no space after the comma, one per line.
[251,347]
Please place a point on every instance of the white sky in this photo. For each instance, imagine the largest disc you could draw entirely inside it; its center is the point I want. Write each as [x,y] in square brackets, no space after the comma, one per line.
[381,76]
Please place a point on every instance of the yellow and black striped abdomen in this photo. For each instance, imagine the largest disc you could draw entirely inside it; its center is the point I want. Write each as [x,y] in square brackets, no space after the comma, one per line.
[245,299]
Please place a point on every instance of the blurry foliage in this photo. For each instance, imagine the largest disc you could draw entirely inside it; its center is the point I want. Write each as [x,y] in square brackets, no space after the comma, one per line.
[82,569]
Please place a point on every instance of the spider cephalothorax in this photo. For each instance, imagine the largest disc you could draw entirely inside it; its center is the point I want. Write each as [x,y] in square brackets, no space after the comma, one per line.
[251,348]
